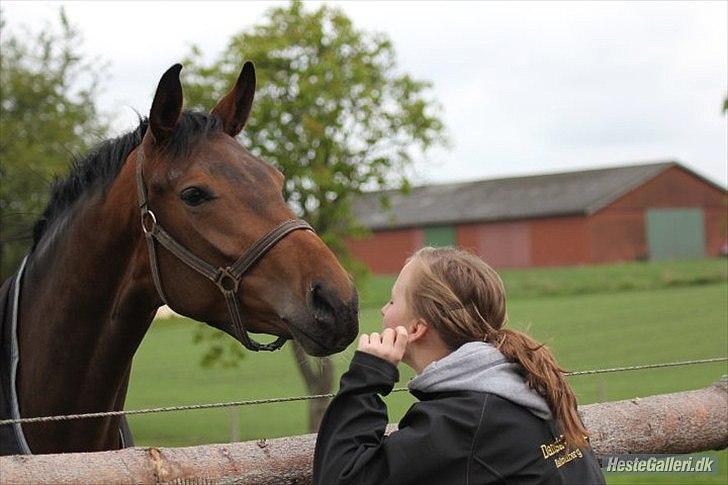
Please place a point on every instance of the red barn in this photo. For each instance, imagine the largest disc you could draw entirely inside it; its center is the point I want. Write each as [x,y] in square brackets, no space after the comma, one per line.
[641,212]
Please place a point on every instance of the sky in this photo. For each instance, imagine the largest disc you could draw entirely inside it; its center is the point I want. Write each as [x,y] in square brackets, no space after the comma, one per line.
[526,87]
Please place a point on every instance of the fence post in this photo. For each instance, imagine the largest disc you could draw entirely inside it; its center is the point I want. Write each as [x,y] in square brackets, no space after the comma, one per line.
[234,414]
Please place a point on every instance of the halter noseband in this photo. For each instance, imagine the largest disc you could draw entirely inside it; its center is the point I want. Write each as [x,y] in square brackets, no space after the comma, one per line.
[227,279]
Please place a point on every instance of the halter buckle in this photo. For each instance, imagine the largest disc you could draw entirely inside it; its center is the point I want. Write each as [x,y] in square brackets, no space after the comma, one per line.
[226,281]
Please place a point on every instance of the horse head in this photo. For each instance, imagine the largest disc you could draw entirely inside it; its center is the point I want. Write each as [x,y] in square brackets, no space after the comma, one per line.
[217,200]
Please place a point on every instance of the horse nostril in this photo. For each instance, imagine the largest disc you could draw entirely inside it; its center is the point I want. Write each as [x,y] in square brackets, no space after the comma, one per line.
[321,305]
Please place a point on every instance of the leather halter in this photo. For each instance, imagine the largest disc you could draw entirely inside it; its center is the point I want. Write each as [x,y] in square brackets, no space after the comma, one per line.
[227,279]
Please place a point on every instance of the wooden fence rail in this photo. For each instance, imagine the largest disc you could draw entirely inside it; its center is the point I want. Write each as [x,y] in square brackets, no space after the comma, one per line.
[682,422]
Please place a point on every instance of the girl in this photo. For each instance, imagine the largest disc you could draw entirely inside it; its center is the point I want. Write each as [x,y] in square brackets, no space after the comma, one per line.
[494,405]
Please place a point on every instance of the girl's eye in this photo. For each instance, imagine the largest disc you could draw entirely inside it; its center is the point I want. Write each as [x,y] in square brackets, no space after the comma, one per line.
[194,196]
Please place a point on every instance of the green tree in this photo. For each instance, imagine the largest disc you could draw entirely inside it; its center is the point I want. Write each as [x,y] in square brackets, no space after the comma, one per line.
[47,115]
[333,112]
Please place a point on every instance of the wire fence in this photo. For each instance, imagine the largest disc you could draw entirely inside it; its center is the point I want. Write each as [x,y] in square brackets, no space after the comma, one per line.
[252,402]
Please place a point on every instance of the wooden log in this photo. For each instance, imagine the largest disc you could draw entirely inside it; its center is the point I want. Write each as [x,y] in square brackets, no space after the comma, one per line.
[682,422]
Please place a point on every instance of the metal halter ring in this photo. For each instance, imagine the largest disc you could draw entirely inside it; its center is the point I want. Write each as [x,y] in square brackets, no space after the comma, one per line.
[148,215]
[227,282]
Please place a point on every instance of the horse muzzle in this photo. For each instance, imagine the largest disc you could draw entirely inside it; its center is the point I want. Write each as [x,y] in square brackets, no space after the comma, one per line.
[326,324]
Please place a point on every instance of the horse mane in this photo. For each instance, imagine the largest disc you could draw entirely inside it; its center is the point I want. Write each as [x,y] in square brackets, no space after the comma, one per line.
[99,168]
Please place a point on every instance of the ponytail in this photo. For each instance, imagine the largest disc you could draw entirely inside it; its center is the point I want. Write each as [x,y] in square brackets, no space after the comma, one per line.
[547,378]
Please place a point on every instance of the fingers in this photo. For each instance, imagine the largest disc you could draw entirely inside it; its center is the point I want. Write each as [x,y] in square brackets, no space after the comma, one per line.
[401,339]
[363,341]
[390,345]
[388,337]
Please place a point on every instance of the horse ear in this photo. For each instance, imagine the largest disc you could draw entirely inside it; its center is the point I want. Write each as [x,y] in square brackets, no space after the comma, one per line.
[234,108]
[167,105]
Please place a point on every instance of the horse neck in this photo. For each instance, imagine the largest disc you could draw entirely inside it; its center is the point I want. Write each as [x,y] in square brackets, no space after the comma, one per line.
[86,304]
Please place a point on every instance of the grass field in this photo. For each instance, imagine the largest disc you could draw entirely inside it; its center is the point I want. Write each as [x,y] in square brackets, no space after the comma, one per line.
[584,279]
[595,324]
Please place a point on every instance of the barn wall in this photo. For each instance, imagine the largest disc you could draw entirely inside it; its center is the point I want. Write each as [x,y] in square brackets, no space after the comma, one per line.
[385,252]
[514,244]
[617,232]
[674,187]
[617,237]
[501,244]
[559,241]
[716,230]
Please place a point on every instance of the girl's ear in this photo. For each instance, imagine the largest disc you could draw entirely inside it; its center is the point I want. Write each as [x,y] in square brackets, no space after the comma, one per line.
[417,330]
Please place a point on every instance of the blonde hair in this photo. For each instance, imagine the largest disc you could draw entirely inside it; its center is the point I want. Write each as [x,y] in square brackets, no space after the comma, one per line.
[464,300]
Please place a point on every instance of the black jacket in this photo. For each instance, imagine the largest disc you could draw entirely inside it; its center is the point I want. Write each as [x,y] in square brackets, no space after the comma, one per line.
[462,437]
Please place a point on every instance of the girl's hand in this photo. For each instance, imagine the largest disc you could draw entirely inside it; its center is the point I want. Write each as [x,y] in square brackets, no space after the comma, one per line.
[389,346]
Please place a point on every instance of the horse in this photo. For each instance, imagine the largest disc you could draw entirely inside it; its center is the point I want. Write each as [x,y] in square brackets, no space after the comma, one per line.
[176,211]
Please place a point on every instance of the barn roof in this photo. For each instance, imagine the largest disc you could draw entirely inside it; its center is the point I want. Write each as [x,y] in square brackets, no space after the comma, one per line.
[557,194]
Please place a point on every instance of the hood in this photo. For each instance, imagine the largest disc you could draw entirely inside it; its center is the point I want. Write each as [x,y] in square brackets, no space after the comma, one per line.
[480,367]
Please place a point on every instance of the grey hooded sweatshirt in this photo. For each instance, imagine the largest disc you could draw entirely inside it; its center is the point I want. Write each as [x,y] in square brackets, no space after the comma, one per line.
[480,367]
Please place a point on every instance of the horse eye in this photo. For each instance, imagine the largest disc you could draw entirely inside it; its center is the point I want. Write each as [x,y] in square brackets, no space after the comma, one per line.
[194,196]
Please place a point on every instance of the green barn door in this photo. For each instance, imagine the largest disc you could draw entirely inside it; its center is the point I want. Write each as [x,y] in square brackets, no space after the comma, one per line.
[439,236]
[675,234]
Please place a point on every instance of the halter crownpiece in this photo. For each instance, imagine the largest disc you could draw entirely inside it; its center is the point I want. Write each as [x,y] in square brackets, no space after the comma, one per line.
[226,279]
